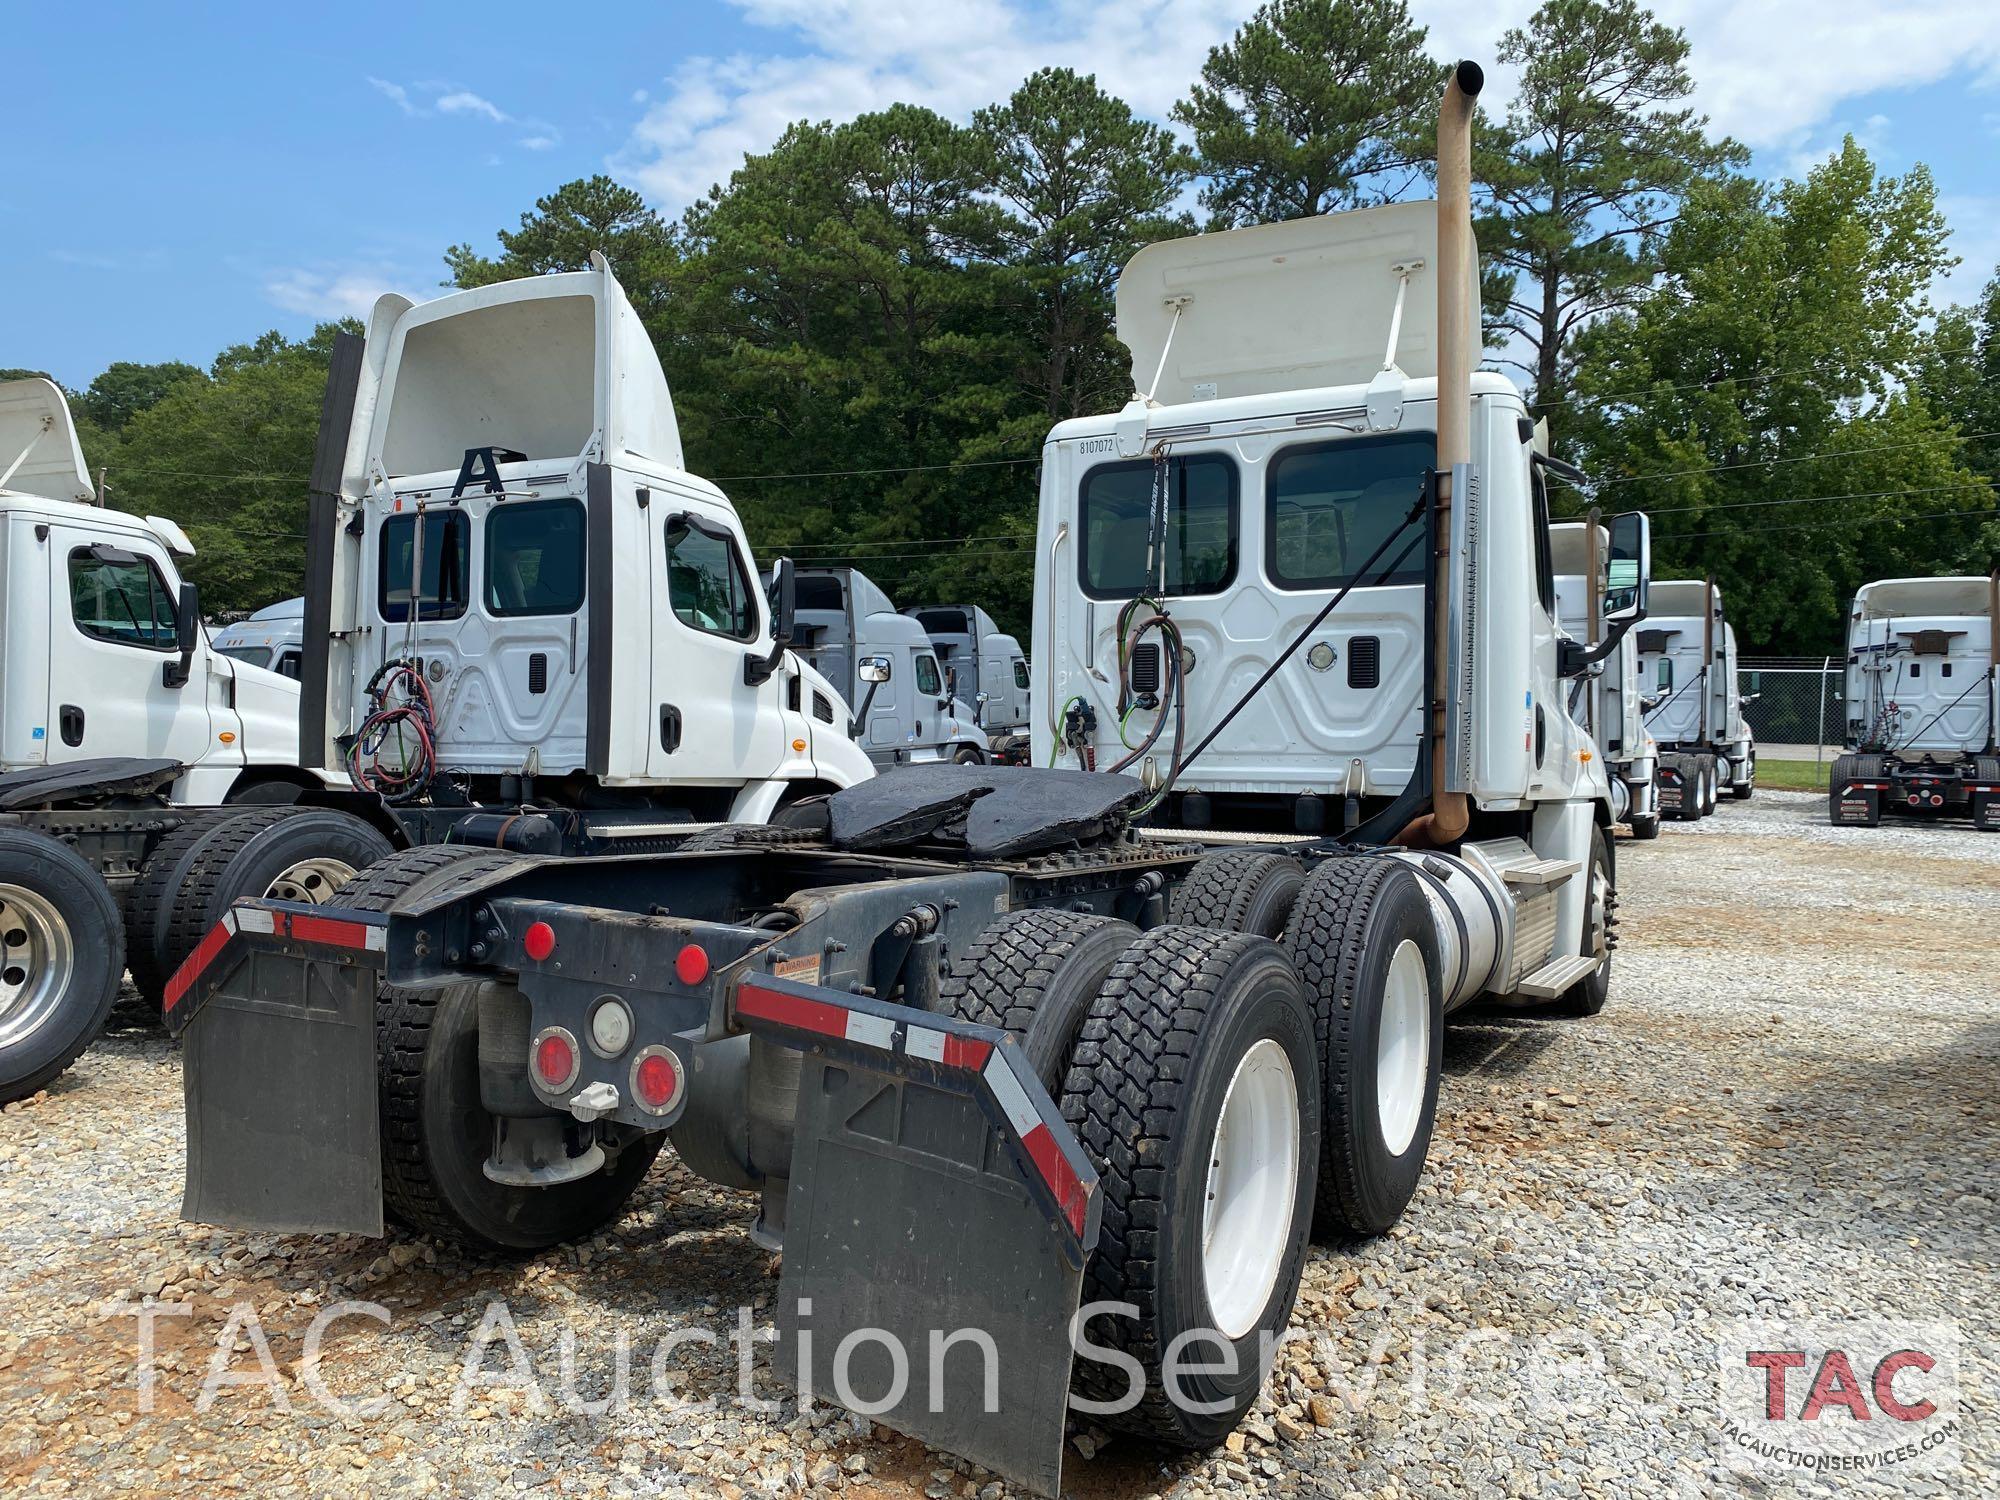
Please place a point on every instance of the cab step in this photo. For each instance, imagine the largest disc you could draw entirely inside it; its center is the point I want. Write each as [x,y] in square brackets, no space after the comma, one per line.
[1555,979]
[1541,873]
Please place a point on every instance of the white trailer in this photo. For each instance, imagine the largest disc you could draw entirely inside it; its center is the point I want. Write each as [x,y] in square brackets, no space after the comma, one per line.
[983,666]
[1687,652]
[1609,698]
[1923,696]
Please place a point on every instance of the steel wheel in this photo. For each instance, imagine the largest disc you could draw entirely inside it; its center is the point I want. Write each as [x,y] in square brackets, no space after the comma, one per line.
[1253,1174]
[1403,1048]
[37,960]
[310,881]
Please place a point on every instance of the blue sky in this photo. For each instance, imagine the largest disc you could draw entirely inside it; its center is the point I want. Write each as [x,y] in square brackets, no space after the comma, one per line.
[193,175]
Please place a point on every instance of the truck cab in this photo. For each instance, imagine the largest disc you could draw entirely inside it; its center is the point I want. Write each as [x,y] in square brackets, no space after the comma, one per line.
[905,711]
[102,648]
[510,534]
[1609,697]
[1687,655]
[1923,695]
[983,666]
[273,637]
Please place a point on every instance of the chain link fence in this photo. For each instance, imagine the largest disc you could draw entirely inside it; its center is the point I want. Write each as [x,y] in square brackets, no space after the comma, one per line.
[1795,707]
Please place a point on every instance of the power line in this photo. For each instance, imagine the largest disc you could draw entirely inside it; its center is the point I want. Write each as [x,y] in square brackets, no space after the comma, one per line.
[1929,489]
[1839,521]
[1802,458]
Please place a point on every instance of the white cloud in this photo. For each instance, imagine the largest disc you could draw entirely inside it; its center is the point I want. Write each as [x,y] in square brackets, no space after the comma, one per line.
[1773,74]
[323,292]
[465,102]
[537,142]
[395,92]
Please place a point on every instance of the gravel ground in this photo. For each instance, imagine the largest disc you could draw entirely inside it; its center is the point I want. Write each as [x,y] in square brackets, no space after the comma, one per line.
[1787,1111]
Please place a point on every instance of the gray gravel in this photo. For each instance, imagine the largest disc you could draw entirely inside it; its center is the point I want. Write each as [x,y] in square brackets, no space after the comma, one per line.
[1788,1110]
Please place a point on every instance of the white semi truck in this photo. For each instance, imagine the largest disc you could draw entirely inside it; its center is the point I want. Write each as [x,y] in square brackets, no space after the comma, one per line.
[1687,653]
[1923,701]
[1609,698]
[122,730]
[983,666]
[585,662]
[273,637]
[1025,1091]
[905,711]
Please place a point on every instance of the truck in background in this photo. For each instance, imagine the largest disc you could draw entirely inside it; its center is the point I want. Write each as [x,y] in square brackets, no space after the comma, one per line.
[983,666]
[904,711]
[123,731]
[555,646]
[272,638]
[1608,698]
[1923,695]
[1687,657]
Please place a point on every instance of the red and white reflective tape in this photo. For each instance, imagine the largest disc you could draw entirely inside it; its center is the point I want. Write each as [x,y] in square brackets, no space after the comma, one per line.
[963,1054]
[265,921]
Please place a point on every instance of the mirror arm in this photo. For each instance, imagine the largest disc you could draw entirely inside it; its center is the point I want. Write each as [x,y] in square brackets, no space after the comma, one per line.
[861,713]
[1573,658]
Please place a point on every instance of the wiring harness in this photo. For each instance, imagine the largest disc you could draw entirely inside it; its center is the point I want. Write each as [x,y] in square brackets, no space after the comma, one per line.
[394,753]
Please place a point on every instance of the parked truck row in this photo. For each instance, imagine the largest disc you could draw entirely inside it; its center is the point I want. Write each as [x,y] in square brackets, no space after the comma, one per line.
[1688,654]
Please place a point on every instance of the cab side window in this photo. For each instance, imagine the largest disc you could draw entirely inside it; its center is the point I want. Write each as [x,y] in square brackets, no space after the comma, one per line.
[707,584]
[1020,674]
[927,675]
[121,597]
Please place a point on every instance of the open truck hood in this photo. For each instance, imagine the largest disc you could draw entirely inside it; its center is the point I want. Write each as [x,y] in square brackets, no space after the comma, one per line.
[1292,306]
[552,367]
[38,443]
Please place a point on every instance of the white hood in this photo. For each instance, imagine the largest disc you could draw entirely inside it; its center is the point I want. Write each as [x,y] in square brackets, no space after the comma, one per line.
[39,454]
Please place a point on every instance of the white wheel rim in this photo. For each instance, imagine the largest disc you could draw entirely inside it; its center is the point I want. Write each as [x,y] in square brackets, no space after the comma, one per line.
[310,881]
[1253,1175]
[1403,1048]
[37,959]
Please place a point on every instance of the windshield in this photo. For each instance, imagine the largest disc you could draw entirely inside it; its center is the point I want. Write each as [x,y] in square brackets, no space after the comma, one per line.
[256,656]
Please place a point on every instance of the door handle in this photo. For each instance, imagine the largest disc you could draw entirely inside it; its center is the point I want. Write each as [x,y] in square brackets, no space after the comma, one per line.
[70,720]
[670,728]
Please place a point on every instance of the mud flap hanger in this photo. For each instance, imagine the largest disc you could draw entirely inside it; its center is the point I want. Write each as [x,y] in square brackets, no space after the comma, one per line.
[937,1221]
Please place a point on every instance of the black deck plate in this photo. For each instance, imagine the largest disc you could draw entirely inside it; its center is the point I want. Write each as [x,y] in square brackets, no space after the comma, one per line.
[995,811]
[42,785]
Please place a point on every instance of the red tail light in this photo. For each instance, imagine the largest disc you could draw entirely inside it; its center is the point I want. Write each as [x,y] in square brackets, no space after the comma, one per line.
[691,964]
[657,1080]
[555,1059]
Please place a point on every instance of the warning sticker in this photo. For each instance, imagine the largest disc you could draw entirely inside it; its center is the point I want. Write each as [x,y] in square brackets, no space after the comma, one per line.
[805,970]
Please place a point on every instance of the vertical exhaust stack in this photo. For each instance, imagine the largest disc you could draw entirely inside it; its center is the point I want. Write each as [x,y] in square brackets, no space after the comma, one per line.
[1458,351]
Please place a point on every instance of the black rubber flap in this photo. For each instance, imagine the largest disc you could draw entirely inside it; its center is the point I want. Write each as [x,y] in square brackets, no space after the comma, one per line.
[994,811]
[41,785]
[279,1078]
[906,1218]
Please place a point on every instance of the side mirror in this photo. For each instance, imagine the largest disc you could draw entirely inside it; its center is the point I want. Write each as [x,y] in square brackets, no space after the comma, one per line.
[1628,568]
[873,669]
[784,600]
[782,594]
[187,636]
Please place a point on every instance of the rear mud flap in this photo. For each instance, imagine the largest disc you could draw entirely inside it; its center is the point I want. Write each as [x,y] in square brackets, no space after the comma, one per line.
[276,1015]
[936,1225]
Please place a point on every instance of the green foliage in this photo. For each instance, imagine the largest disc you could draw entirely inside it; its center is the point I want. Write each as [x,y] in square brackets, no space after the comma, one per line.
[1313,106]
[226,456]
[1958,373]
[125,389]
[1774,365]
[1584,175]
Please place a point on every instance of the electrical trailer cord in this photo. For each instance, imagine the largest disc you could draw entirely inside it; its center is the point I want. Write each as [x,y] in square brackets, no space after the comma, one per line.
[1972,687]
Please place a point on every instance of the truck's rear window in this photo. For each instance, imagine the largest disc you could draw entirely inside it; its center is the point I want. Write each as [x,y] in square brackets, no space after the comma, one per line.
[443,581]
[1197,530]
[535,558]
[1330,505]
